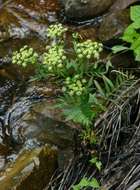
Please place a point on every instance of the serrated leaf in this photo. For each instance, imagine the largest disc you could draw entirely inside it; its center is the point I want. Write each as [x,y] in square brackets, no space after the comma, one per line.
[93,160]
[96,162]
[82,114]
[92,98]
[136,43]
[136,24]
[83,183]
[87,183]
[94,183]
[130,34]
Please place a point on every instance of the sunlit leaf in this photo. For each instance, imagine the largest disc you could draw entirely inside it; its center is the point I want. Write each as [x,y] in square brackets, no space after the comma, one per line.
[119,48]
[135,12]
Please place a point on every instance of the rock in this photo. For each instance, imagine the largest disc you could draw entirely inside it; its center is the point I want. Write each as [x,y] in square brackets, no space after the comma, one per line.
[122,4]
[83,9]
[32,169]
[34,129]
[113,25]
[44,125]
[32,117]
[21,23]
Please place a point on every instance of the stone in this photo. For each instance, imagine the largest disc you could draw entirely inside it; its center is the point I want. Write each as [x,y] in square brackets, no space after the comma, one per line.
[113,25]
[122,4]
[32,169]
[83,9]
[32,117]
[45,125]
[23,21]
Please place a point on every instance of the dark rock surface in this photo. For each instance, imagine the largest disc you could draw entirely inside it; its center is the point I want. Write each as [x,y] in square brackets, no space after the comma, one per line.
[83,9]
[113,25]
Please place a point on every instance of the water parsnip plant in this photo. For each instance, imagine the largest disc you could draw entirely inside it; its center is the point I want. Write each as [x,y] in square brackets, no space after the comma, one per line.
[82,75]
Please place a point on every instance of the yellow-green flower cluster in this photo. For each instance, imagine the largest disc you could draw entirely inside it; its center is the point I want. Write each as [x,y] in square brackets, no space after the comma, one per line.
[74,86]
[25,56]
[56,30]
[54,58]
[89,49]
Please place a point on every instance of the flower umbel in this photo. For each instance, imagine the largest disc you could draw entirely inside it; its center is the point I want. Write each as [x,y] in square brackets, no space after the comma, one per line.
[75,86]
[25,56]
[55,57]
[56,30]
[88,49]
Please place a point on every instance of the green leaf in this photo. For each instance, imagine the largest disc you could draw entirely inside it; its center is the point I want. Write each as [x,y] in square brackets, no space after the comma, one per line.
[136,24]
[130,34]
[79,113]
[93,160]
[119,48]
[135,12]
[83,183]
[99,165]
[137,54]
[87,183]
[99,88]
[96,162]
[94,183]
[136,48]
[136,43]
[71,64]
[108,65]
[90,82]
[92,98]
[108,82]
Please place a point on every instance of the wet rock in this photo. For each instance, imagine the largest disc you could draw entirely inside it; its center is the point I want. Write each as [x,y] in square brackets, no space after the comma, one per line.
[45,125]
[113,25]
[7,91]
[32,169]
[19,19]
[83,9]
[32,117]
[23,23]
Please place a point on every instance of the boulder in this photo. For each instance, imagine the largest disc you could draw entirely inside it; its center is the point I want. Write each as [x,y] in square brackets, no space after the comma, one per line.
[83,9]
[122,4]
[42,123]
[113,25]
[32,117]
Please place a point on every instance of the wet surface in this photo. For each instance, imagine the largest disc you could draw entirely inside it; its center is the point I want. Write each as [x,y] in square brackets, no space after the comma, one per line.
[21,23]
[27,21]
